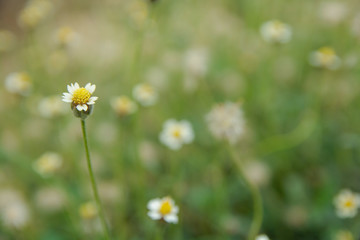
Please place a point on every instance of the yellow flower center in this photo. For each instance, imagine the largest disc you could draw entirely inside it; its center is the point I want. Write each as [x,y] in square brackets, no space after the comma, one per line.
[64,34]
[278,25]
[327,55]
[349,203]
[81,96]
[165,207]
[177,132]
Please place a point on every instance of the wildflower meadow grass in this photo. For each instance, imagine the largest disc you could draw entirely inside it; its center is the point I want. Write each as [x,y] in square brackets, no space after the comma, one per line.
[179,119]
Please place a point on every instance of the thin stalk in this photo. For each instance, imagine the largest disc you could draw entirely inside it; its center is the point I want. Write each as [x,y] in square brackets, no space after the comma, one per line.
[258,210]
[93,183]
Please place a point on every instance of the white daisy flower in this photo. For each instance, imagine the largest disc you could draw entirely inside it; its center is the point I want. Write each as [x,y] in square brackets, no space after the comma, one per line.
[34,13]
[226,121]
[163,208]
[51,107]
[176,133]
[47,164]
[88,210]
[347,204]
[80,98]
[15,214]
[145,94]
[262,237]
[325,57]
[66,36]
[19,83]
[123,106]
[276,32]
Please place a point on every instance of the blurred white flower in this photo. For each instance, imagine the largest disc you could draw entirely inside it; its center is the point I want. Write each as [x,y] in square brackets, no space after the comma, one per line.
[19,83]
[262,237]
[15,214]
[145,94]
[48,164]
[88,210]
[196,62]
[276,32]
[226,121]
[163,208]
[123,106]
[257,172]
[344,235]
[34,12]
[80,98]
[50,199]
[176,133]
[52,106]
[66,37]
[325,57]
[7,40]
[347,203]
[333,12]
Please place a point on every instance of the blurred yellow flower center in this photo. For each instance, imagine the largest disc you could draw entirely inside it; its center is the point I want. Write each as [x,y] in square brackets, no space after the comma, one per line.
[278,25]
[177,132]
[327,55]
[165,207]
[349,203]
[81,96]
[64,34]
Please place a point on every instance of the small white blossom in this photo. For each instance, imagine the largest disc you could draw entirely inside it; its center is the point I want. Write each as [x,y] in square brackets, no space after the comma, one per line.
[81,99]
[51,107]
[19,83]
[276,32]
[325,57]
[34,12]
[226,121]
[123,106]
[47,164]
[88,210]
[347,204]
[145,94]
[15,214]
[262,237]
[176,133]
[163,208]
[66,36]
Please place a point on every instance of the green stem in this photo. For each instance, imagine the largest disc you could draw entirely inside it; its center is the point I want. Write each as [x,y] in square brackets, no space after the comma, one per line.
[93,183]
[258,210]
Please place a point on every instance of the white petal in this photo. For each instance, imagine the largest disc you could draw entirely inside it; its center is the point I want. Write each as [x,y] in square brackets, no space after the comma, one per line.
[79,108]
[90,88]
[67,97]
[154,215]
[171,218]
[92,100]
[154,204]
[175,209]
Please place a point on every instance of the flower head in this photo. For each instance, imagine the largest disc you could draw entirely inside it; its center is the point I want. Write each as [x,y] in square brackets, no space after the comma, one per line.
[325,57]
[226,121]
[347,204]
[88,210]
[66,36]
[19,83]
[51,107]
[176,133]
[123,106]
[34,13]
[262,237]
[145,94]
[276,32]
[163,208]
[80,98]
[48,163]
